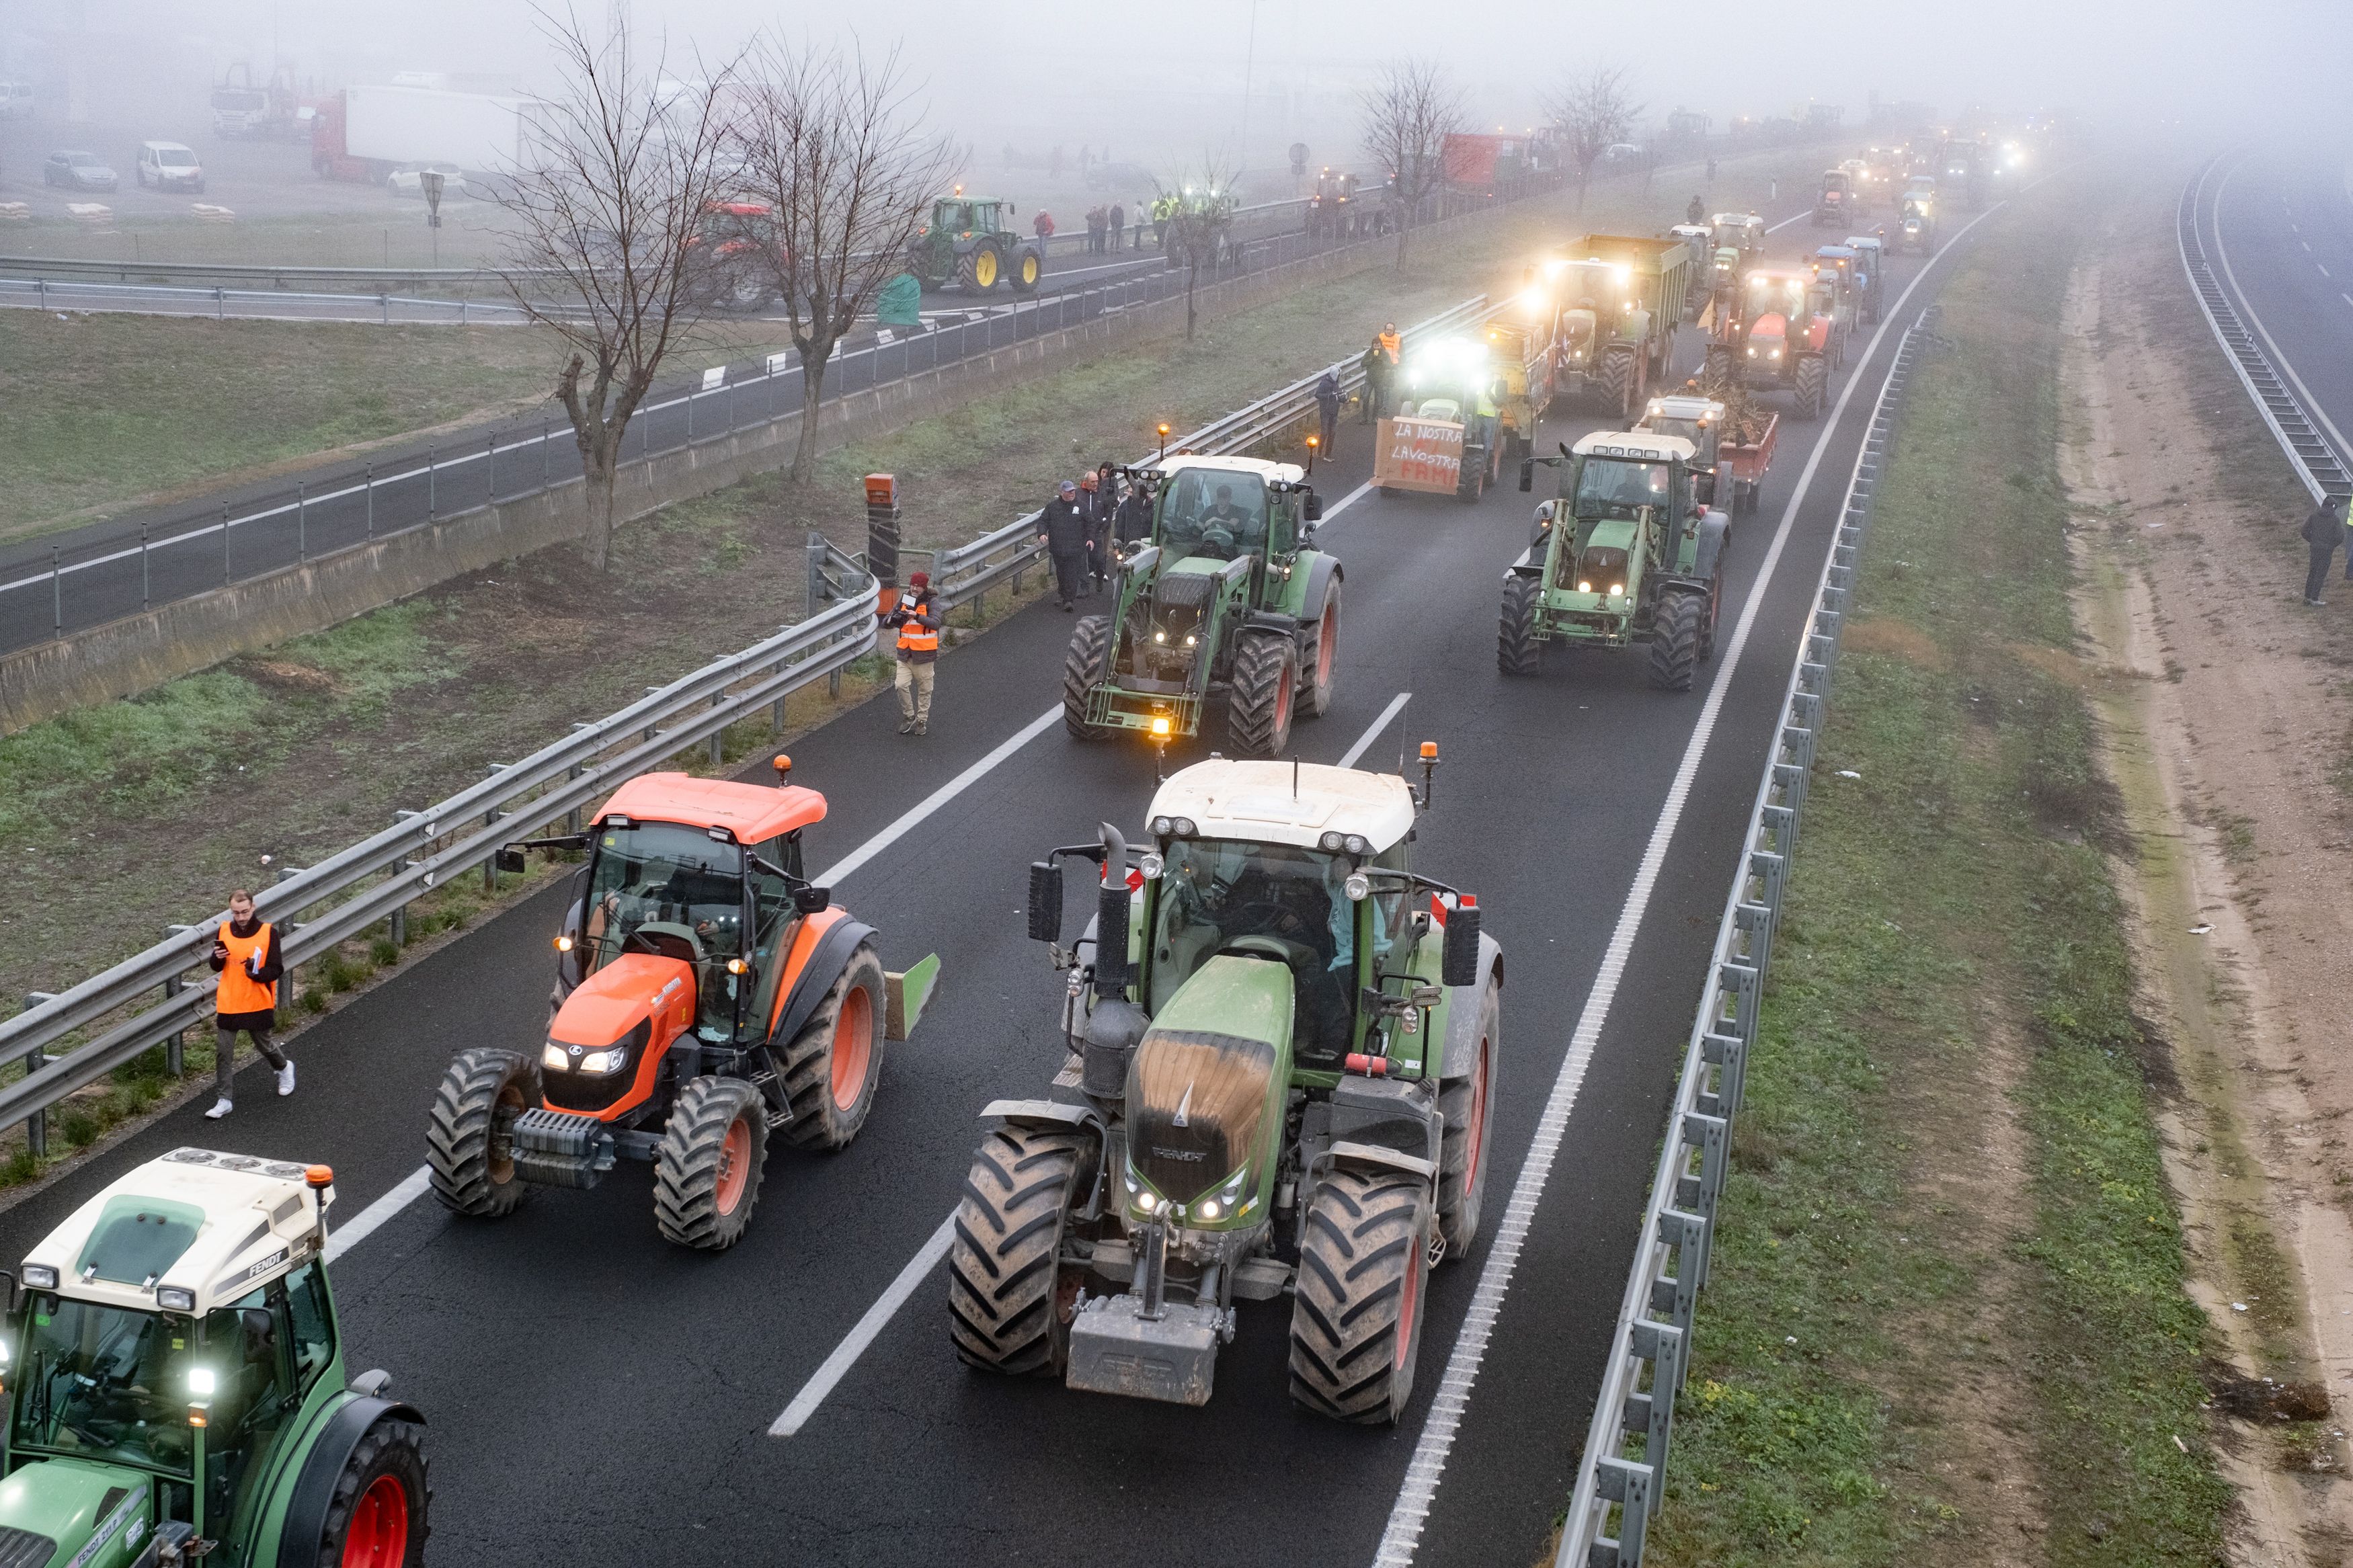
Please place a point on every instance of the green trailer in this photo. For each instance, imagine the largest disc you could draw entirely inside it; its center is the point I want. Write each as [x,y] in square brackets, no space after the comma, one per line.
[1622,298]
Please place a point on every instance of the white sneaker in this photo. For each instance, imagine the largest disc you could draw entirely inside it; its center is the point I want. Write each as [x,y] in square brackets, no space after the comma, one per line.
[221,1107]
[286,1078]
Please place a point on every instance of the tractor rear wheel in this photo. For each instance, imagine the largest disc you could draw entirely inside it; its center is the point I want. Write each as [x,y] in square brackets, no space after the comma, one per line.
[1027,270]
[1462,1152]
[1517,646]
[1319,676]
[1674,639]
[707,1166]
[469,1132]
[832,1069]
[1707,621]
[1258,709]
[1082,667]
[1355,1320]
[1812,378]
[978,268]
[376,1514]
[1009,1301]
[1617,384]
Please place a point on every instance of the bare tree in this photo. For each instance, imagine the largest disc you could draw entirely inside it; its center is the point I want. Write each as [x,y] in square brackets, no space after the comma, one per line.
[834,148]
[1200,221]
[1408,115]
[603,203]
[1595,114]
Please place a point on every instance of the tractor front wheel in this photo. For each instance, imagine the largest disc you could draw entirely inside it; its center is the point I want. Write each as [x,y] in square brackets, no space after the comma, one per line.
[1517,646]
[1811,381]
[1617,384]
[1675,639]
[1010,1300]
[1319,674]
[1355,1321]
[376,1515]
[469,1132]
[832,1069]
[1027,270]
[1083,666]
[1258,717]
[977,270]
[707,1165]
[1462,1150]
[1708,622]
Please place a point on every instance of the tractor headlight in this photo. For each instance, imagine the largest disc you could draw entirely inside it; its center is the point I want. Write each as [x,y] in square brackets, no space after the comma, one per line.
[1330,843]
[554,1058]
[1777,353]
[39,1277]
[1151,864]
[201,1382]
[1617,590]
[175,1298]
[1227,1201]
[606,1061]
[1190,639]
[1142,1199]
[1583,586]
[1161,827]
[1186,827]
[1358,887]
[1358,844]
[1160,637]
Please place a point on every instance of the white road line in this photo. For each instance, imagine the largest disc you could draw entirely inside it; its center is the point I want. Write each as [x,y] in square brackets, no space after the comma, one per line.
[939,797]
[2308,246]
[364,1223]
[845,1355]
[1418,1492]
[1373,731]
[2324,271]
[1345,501]
[2347,298]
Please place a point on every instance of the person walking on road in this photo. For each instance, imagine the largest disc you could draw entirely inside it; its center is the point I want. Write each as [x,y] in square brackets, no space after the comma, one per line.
[916,616]
[2324,531]
[1134,518]
[1043,224]
[1381,369]
[1696,211]
[246,956]
[1098,503]
[1327,409]
[1066,530]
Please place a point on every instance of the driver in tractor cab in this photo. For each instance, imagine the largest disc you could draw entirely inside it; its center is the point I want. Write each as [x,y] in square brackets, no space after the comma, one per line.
[1288,896]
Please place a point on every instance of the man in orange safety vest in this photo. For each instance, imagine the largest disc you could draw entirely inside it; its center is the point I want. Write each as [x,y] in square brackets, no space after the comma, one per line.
[247,957]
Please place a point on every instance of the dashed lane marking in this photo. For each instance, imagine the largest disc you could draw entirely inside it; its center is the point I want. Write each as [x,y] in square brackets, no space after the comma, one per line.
[1373,730]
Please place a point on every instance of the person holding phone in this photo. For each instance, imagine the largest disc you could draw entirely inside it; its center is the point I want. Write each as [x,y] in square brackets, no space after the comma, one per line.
[247,957]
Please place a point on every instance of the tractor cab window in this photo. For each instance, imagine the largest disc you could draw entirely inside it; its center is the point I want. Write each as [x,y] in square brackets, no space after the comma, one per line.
[103,1383]
[1612,487]
[1388,909]
[772,906]
[242,1346]
[1261,901]
[953,217]
[1214,513]
[667,889]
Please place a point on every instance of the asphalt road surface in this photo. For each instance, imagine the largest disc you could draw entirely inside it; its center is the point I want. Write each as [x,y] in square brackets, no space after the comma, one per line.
[2285,223]
[590,1387]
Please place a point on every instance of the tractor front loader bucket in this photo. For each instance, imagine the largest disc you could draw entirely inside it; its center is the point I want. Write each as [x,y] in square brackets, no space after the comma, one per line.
[905,995]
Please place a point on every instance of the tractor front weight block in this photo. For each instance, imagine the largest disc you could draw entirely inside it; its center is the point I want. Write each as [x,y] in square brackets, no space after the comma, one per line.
[558,1148]
[1116,1349]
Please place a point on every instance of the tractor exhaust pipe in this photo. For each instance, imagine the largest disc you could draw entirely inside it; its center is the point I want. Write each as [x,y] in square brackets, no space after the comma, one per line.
[1115,1023]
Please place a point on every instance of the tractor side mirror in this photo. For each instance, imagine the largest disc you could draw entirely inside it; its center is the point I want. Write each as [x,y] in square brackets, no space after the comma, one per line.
[1314,511]
[511,858]
[1458,962]
[1045,901]
[811,901]
[1527,474]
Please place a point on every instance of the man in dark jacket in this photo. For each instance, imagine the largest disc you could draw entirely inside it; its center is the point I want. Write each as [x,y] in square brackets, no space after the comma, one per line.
[1118,224]
[1133,519]
[1327,409]
[2324,531]
[1097,494]
[1067,531]
[246,956]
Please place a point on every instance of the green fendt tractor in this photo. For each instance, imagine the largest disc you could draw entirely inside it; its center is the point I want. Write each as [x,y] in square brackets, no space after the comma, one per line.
[967,243]
[1281,1061]
[1230,592]
[176,1386]
[1625,555]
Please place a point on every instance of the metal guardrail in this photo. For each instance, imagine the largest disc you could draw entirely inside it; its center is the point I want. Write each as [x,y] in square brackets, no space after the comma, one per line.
[1615,1496]
[387,308]
[2320,466]
[376,879]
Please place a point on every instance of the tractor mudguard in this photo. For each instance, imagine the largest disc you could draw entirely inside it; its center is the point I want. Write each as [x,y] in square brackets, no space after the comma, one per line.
[1370,1157]
[1377,1112]
[1462,1015]
[826,963]
[1307,587]
[1529,562]
[1711,544]
[314,1488]
[1047,1115]
[1281,623]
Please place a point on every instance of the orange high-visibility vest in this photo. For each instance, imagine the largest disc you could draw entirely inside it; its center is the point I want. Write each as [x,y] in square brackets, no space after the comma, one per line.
[916,638]
[1390,345]
[239,991]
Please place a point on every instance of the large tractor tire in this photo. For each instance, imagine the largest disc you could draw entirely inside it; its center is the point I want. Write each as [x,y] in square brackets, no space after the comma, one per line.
[707,1166]
[1813,382]
[1082,667]
[977,270]
[1617,384]
[1319,663]
[1675,634]
[748,293]
[1517,646]
[1714,608]
[1258,709]
[1355,1320]
[1462,1150]
[376,1517]
[469,1132]
[1026,268]
[1010,1305]
[834,1066]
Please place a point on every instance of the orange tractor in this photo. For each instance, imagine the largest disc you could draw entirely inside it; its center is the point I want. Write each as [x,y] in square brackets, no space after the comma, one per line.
[1793,338]
[706,995]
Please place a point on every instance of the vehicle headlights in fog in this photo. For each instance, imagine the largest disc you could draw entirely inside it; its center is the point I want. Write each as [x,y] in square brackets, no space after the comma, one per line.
[1583,586]
[1617,590]
[553,1058]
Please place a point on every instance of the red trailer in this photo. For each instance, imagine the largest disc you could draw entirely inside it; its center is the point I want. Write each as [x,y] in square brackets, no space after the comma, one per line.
[1478,162]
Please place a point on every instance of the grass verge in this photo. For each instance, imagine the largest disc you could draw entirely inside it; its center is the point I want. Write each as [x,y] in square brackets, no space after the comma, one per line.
[1946,1320]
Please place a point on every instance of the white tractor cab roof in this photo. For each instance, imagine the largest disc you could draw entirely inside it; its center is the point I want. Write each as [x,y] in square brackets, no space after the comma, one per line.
[1638,444]
[1309,804]
[192,1231]
[1682,407]
[1272,473]
[1870,242]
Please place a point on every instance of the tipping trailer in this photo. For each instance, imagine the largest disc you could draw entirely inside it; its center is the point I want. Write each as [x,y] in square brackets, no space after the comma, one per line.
[1730,470]
[1624,299]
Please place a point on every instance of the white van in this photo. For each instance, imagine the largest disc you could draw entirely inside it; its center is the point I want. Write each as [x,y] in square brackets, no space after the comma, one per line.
[168,165]
[16,101]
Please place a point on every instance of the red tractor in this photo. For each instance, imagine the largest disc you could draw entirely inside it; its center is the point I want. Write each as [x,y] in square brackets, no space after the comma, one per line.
[734,257]
[706,995]
[1791,336]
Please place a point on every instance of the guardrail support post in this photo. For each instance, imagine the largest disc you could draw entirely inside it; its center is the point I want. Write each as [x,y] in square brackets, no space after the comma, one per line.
[815,586]
[1629,1483]
[37,1126]
[302,522]
[399,921]
[56,593]
[368,485]
[225,568]
[1711,1136]
[491,819]
[176,1044]
[572,817]
[432,490]
[1654,1413]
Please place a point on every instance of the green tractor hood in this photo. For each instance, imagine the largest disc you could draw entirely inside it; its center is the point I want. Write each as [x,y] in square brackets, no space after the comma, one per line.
[94,1516]
[1205,1090]
[1246,998]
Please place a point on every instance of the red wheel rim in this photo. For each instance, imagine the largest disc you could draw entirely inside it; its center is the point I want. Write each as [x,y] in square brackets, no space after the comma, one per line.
[735,1164]
[1410,1303]
[853,1047]
[378,1536]
[1282,710]
[1478,1130]
[1326,642]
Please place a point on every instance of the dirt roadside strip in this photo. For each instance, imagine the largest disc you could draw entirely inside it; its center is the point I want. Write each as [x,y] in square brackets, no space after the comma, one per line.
[2010,1161]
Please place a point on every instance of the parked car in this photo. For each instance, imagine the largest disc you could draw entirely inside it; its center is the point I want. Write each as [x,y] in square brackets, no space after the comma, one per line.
[16,101]
[78,172]
[168,165]
[411,182]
